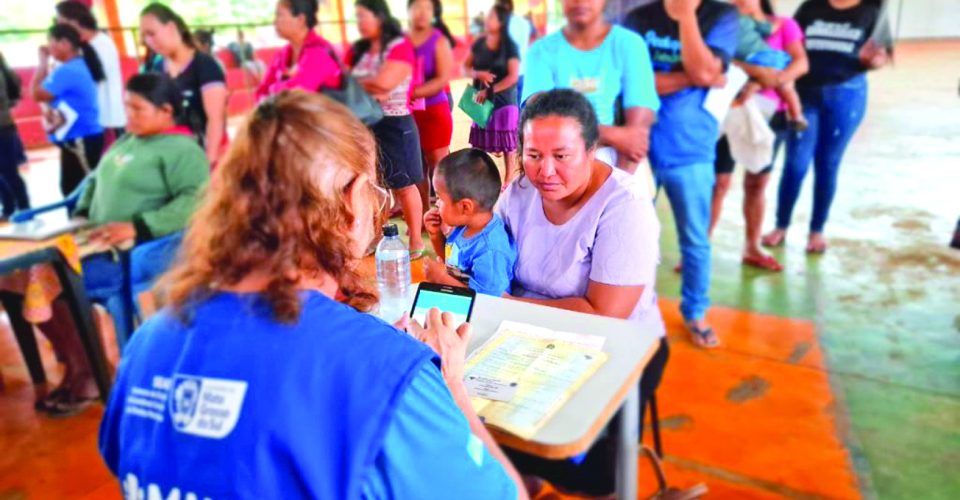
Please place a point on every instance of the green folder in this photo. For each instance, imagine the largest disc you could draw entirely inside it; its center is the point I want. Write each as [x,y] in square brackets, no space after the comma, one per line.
[479,113]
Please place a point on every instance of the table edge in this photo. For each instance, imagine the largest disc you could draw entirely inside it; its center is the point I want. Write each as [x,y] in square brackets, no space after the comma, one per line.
[581,445]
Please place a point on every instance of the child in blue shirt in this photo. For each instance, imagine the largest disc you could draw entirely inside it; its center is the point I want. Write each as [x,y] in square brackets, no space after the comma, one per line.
[474,244]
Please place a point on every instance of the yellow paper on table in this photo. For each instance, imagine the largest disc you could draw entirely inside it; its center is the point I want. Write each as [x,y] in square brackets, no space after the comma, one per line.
[546,372]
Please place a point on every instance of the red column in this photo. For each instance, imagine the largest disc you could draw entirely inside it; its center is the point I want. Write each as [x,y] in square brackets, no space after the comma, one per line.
[343,23]
[113,24]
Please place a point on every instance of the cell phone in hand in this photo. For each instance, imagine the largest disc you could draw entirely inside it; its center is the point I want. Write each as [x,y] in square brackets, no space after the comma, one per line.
[455,300]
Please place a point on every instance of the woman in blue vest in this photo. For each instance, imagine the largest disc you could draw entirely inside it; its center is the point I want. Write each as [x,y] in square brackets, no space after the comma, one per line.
[263,378]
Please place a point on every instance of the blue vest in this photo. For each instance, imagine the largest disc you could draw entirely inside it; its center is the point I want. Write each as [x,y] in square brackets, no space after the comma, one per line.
[236,405]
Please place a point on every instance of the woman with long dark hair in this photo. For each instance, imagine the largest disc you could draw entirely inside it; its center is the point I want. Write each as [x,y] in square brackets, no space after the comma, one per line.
[110,89]
[494,64]
[433,45]
[199,77]
[383,61]
[841,48]
[72,115]
[307,61]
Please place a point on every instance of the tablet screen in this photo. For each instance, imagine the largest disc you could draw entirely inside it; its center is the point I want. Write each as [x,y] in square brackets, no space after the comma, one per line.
[458,305]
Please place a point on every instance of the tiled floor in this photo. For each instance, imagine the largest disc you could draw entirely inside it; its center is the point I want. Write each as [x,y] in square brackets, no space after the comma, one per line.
[838,378]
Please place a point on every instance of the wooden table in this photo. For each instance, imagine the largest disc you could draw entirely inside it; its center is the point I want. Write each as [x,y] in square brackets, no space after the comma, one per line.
[21,255]
[615,386]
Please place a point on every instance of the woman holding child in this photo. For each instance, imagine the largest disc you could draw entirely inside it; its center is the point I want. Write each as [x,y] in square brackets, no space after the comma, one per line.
[587,240]
[787,36]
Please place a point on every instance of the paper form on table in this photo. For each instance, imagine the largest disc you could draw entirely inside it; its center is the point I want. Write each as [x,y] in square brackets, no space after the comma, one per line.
[544,369]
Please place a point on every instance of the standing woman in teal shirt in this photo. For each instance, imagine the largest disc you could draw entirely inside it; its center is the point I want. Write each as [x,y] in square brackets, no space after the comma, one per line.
[72,115]
[604,62]
[144,190]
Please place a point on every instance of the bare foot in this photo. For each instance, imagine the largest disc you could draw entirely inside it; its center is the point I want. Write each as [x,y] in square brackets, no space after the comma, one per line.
[774,238]
[816,243]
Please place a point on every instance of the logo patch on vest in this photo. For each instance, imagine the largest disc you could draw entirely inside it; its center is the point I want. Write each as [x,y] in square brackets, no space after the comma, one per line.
[205,407]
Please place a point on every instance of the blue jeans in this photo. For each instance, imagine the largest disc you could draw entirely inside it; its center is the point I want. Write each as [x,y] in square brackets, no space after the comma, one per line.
[834,113]
[103,276]
[103,279]
[690,191]
[151,259]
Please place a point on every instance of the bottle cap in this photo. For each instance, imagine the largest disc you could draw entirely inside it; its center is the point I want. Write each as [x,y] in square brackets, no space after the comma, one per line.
[390,230]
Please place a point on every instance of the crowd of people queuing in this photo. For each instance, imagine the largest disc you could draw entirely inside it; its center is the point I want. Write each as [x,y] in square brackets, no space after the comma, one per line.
[264,294]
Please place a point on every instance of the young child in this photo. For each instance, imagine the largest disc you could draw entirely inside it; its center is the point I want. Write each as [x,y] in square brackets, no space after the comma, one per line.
[753,49]
[476,248]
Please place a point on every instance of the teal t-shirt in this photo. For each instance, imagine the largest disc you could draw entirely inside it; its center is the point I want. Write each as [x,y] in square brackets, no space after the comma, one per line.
[619,66]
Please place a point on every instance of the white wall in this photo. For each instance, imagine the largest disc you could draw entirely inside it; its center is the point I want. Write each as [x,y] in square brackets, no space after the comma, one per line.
[913,18]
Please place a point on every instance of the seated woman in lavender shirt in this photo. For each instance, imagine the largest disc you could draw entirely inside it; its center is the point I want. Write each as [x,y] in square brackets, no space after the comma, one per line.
[587,240]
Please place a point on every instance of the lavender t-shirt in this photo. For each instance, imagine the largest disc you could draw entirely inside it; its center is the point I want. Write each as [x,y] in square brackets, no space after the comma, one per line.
[613,239]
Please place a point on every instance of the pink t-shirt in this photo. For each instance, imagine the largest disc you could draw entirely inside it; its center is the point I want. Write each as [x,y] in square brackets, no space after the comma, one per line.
[788,32]
[315,69]
[613,239]
[398,99]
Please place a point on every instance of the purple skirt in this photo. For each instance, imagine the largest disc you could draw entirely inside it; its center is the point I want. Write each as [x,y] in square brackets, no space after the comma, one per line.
[500,134]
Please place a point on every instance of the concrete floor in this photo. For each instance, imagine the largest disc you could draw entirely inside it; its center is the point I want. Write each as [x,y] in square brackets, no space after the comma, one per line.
[839,378]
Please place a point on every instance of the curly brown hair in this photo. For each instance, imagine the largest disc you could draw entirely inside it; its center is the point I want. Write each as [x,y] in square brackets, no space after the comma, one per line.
[277,206]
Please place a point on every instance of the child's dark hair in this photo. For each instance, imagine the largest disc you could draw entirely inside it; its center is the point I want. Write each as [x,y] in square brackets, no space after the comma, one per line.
[204,37]
[78,13]
[305,8]
[72,36]
[565,103]
[471,174]
[160,90]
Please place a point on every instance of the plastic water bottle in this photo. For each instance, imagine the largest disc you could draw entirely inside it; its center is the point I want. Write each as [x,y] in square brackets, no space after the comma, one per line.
[393,274]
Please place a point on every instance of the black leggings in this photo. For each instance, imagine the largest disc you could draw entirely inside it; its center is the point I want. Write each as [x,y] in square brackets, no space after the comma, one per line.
[595,475]
[78,157]
[13,191]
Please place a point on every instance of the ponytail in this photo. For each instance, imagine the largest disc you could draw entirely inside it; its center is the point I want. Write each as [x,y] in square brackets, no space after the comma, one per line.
[166,15]
[72,36]
[439,24]
[93,62]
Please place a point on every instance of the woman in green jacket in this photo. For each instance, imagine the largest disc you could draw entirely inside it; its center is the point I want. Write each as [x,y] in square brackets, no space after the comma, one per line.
[144,191]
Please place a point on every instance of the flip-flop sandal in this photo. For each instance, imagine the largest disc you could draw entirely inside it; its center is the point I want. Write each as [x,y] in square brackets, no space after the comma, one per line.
[704,338]
[51,400]
[766,262]
[417,254]
[68,406]
[664,490]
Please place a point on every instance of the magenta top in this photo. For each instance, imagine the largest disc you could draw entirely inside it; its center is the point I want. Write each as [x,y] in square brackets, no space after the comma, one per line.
[788,32]
[614,239]
[315,69]
[427,59]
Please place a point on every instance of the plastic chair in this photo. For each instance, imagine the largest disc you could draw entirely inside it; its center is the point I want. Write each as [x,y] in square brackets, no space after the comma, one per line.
[69,203]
